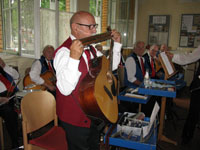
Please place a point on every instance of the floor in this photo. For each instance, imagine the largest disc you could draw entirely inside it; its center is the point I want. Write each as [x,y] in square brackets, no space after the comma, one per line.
[172,129]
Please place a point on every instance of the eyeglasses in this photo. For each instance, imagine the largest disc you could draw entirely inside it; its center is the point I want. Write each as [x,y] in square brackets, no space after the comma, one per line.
[90,26]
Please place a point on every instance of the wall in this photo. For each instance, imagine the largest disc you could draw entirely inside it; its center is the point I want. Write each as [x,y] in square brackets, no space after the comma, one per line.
[83,5]
[174,8]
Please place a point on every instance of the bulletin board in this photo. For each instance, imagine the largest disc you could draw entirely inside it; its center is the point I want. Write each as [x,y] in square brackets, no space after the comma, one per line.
[190,30]
[158,29]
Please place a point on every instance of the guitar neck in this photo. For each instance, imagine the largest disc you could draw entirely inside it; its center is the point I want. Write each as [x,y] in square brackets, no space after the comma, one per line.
[111,55]
[96,38]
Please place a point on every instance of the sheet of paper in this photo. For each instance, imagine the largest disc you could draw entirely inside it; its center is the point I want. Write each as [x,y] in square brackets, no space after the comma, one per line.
[152,119]
[167,63]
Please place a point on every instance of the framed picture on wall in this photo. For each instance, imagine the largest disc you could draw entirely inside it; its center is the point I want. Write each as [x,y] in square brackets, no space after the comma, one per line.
[190,30]
[158,29]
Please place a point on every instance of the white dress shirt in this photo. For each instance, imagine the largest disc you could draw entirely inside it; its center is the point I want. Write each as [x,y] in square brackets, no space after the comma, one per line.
[12,72]
[184,59]
[67,72]
[36,72]
[130,65]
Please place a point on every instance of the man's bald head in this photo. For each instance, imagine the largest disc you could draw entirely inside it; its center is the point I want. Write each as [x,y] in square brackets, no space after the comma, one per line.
[81,23]
[139,48]
[78,16]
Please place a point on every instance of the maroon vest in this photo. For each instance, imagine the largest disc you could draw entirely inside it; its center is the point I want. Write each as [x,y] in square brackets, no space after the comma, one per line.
[68,107]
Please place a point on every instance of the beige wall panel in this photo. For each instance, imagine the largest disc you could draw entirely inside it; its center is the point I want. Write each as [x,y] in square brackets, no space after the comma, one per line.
[174,8]
[83,5]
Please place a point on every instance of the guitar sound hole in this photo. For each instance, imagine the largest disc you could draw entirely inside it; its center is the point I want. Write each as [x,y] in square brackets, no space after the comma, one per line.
[114,92]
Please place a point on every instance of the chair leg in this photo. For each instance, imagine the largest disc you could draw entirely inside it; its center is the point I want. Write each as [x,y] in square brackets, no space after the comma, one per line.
[1,133]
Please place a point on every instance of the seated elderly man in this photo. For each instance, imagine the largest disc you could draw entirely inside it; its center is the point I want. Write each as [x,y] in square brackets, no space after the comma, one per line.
[151,60]
[8,77]
[38,73]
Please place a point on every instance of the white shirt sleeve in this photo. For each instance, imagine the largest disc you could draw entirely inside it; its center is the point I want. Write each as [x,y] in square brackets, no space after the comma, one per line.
[116,55]
[67,72]
[11,71]
[131,69]
[184,59]
[35,73]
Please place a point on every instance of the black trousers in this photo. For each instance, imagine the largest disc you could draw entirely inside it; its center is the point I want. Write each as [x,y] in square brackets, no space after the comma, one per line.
[148,108]
[193,116]
[10,117]
[11,120]
[79,138]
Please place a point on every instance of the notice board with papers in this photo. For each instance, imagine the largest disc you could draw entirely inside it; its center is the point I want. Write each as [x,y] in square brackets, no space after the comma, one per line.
[190,30]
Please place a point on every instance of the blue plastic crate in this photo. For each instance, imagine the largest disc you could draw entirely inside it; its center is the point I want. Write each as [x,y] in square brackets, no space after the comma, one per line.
[122,97]
[149,144]
[157,91]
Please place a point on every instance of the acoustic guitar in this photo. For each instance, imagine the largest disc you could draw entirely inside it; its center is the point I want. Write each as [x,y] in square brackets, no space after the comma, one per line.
[47,76]
[98,90]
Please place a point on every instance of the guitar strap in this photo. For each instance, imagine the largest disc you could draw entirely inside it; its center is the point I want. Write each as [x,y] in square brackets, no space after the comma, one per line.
[95,62]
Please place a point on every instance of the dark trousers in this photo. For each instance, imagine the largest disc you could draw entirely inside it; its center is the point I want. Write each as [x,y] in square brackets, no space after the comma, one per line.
[148,108]
[10,117]
[79,138]
[193,116]
[11,120]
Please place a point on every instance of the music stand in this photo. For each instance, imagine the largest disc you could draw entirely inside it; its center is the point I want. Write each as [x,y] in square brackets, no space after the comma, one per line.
[169,70]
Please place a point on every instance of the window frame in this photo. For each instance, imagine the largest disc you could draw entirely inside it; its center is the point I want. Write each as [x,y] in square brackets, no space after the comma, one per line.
[36,27]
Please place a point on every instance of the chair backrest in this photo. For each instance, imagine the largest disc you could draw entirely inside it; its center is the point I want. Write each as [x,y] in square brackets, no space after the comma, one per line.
[38,109]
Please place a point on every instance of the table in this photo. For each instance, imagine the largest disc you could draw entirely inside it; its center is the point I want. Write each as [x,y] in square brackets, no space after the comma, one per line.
[164,94]
[140,101]
[131,144]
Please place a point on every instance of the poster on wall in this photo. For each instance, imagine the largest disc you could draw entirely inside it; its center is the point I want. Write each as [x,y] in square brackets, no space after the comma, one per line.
[190,30]
[158,29]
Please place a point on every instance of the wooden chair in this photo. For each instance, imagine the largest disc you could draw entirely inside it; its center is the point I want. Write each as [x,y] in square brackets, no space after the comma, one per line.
[1,133]
[39,109]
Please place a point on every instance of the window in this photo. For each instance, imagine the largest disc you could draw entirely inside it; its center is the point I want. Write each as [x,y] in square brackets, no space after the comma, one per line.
[122,18]
[51,4]
[95,7]
[10,24]
[29,25]
[15,22]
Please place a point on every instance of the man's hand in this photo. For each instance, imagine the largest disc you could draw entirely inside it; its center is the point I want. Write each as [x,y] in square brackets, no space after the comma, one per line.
[76,49]
[170,55]
[116,36]
[2,63]
[4,100]
[50,87]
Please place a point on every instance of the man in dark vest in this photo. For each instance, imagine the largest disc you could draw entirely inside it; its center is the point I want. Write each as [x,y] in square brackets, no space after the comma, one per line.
[8,79]
[134,66]
[194,108]
[71,65]
[150,58]
[41,66]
